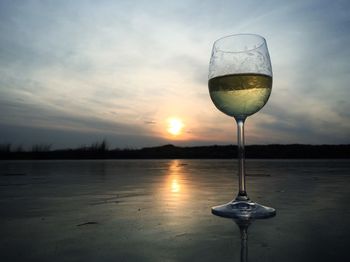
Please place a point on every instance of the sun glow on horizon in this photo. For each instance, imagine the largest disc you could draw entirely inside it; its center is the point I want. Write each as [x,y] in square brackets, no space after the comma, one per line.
[175,126]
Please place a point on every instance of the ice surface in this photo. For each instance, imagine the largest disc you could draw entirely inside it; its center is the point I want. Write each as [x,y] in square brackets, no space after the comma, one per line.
[159,210]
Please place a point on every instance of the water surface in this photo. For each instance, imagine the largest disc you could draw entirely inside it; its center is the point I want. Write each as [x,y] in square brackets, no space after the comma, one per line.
[159,210]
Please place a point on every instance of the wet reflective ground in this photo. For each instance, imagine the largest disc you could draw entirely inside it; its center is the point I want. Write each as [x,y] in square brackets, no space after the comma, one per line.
[159,210]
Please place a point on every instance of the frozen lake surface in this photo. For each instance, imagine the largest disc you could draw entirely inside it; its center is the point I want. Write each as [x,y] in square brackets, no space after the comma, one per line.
[159,210]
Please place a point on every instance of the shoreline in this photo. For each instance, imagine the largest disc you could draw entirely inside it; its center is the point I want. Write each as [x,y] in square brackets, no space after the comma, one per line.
[294,151]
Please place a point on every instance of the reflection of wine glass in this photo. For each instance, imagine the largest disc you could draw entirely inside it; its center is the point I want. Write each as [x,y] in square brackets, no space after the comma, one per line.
[240,82]
[243,225]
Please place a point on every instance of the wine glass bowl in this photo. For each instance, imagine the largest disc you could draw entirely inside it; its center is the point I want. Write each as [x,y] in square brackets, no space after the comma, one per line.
[240,74]
[240,83]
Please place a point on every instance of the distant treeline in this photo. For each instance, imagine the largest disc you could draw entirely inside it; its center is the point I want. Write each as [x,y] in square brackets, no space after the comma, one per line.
[100,150]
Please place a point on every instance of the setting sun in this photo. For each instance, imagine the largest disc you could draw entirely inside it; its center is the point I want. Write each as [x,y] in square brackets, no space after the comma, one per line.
[175,126]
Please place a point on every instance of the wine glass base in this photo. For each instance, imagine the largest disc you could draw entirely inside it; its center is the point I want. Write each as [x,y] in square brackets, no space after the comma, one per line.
[243,210]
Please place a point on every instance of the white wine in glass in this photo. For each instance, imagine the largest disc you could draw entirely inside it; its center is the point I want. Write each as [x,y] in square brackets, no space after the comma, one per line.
[240,94]
[240,83]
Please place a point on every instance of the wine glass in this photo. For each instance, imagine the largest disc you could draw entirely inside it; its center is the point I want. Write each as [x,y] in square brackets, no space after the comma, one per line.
[240,82]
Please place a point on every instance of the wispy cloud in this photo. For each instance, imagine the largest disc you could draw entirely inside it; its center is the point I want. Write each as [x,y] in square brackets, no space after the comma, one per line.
[127,66]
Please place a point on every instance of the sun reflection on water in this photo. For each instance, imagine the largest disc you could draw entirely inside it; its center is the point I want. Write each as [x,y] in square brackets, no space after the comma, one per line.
[174,186]
[174,197]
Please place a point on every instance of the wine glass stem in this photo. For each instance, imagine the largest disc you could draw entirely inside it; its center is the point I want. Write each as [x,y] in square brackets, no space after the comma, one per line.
[242,194]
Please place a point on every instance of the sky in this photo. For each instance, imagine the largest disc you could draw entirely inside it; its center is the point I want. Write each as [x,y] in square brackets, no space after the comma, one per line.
[76,72]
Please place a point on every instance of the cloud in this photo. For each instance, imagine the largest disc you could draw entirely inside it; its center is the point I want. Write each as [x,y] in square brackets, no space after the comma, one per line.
[69,138]
[126,66]
[150,122]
